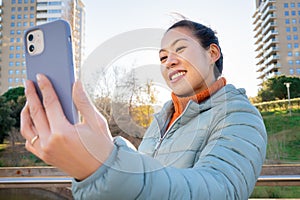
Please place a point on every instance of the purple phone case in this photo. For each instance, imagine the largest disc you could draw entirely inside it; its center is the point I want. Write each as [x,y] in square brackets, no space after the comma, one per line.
[56,62]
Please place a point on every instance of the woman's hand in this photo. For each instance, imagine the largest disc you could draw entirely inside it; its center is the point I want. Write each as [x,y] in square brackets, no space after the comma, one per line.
[79,149]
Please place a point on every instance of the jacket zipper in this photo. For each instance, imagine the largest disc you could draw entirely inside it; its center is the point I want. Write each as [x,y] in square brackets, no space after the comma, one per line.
[157,146]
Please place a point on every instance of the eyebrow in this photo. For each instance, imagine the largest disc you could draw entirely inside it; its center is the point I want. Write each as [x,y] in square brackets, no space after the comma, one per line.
[173,43]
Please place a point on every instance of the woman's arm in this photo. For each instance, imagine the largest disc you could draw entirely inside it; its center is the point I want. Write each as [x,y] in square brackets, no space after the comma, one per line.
[228,168]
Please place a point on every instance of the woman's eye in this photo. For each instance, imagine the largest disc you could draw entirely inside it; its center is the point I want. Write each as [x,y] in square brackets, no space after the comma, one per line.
[163,58]
[180,49]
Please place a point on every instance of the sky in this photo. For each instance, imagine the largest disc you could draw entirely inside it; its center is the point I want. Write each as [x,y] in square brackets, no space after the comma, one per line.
[231,19]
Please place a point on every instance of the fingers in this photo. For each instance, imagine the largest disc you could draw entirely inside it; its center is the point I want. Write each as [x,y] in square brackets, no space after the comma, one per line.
[54,112]
[86,108]
[33,114]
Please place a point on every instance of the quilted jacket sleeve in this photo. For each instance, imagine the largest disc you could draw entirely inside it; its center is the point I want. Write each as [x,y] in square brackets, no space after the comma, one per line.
[227,168]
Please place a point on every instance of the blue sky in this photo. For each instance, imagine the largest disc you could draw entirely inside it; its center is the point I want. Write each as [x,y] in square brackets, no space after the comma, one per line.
[231,19]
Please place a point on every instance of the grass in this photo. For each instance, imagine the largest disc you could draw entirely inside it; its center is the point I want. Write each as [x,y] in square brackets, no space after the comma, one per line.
[283,137]
[283,147]
[276,192]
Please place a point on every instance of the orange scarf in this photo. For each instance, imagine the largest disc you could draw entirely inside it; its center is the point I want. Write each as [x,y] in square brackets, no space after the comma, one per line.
[181,102]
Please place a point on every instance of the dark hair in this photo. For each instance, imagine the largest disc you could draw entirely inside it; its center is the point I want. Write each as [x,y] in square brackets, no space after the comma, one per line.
[206,37]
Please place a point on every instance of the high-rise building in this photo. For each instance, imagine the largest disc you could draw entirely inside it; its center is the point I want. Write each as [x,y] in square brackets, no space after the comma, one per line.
[277,39]
[18,15]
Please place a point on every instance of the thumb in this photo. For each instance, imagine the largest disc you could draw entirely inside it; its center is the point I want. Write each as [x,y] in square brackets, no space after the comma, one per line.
[86,108]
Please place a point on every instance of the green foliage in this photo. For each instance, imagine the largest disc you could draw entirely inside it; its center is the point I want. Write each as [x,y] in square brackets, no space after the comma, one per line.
[14,94]
[275,88]
[276,192]
[11,104]
[6,119]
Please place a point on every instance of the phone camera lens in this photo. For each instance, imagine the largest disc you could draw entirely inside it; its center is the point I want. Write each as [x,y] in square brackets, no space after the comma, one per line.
[31,48]
[30,37]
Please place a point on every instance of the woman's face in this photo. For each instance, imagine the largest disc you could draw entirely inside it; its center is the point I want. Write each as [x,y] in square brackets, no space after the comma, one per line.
[185,65]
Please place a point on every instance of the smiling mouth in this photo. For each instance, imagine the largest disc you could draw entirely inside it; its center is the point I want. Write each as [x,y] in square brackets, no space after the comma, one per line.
[177,74]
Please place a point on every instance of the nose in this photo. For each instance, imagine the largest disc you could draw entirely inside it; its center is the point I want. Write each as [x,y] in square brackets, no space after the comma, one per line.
[172,60]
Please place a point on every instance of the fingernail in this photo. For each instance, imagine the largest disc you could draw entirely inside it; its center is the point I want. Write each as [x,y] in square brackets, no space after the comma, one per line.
[38,77]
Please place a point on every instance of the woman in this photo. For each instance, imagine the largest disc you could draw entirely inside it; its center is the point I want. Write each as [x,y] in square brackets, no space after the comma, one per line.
[209,142]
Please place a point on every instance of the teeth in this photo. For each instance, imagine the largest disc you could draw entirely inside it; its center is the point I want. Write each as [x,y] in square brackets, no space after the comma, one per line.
[177,75]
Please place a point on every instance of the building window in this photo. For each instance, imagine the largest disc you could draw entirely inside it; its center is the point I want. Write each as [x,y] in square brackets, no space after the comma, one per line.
[12,24]
[13,1]
[19,1]
[291,71]
[11,72]
[13,17]
[289,45]
[297,53]
[287,21]
[23,71]
[288,37]
[11,64]
[31,8]
[17,80]
[31,16]
[298,5]
[19,24]
[19,16]
[11,48]
[18,64]
[285,5]
[17,71]
[25,8]
[18,48]
[292,5]
[294,21]
[297,62]
[286,13]
[295,37]
[293,13]
[25,16]
[25,24]
[10,80]
[296,45]
[11,55]
[288,29]
[298,71]
[299,12]
[18,39]
[12,39]
[290,54]
[290,62]
[19,32]
[18,55]
[295,29]
[13,9]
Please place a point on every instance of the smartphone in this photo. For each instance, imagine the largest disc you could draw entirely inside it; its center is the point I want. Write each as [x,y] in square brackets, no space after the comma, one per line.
[48,51]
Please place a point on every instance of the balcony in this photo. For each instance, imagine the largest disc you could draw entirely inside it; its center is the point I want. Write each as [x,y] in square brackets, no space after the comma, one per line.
[268,19]
[257,25]
[258,39]
[269,9]
[260,60]
[270,42]
[269,26]
[265,4]
[271,33]
[271,59]
[271,50]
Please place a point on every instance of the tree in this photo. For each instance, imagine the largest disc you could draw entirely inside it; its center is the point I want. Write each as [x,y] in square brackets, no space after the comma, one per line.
[6,120]
[11,104]
[275,89]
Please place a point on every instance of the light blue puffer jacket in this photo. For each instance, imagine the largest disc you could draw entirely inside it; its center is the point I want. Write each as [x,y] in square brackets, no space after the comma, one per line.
[215,150]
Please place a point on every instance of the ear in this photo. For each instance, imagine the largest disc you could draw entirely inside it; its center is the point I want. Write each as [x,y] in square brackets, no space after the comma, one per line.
[215,52]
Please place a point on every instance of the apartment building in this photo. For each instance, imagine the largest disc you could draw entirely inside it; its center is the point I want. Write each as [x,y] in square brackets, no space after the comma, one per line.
[277,39]
[18,15]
